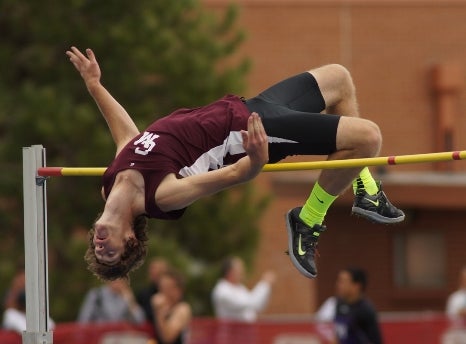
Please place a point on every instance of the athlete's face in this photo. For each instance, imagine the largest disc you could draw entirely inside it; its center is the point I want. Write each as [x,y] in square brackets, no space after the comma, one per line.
[109,243]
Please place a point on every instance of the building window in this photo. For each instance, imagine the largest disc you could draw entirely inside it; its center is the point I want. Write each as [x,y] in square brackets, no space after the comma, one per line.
[420,259]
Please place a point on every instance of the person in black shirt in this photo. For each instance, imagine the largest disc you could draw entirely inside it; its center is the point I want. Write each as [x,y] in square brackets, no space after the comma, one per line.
[157,267]
[172,315]
[353,315]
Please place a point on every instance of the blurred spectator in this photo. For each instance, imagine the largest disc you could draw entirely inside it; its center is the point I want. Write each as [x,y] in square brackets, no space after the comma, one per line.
[157,267]
[353,315]
[172,315]
[232,300]
[456,303]
[18,285]
[14,317]
[113,302]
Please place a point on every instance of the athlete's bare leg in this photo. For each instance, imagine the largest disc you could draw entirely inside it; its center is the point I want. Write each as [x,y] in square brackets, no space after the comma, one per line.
[356,137]
[338,90]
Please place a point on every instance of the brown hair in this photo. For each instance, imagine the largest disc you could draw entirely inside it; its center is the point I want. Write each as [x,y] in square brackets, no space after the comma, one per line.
[132,258]
[177,277]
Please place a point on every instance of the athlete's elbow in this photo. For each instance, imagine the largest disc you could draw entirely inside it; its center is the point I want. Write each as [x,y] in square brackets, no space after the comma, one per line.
[172,202]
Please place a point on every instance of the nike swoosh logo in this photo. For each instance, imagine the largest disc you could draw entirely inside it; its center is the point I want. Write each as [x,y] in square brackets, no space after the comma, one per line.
[319,200]
[376,203]
[301,252]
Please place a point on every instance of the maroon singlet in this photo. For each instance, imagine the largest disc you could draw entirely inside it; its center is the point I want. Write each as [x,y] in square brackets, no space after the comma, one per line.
[186,142]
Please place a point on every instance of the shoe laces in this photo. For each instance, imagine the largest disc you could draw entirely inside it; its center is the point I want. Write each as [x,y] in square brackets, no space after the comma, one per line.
[361,191]
[309,243]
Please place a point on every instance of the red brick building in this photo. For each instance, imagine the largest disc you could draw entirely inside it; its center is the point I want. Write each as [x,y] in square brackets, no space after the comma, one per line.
[407,61]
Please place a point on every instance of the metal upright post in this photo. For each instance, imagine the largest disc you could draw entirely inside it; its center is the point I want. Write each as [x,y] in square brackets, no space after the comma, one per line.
[35,248]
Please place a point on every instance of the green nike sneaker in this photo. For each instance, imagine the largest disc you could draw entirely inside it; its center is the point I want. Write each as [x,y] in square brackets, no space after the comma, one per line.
[376,208]
[302,243]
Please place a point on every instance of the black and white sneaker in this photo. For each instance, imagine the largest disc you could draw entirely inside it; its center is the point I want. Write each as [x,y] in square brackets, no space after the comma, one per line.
[376,208]
[302,243]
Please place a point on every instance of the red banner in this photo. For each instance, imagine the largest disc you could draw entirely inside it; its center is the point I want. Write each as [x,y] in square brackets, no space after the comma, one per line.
[414,329]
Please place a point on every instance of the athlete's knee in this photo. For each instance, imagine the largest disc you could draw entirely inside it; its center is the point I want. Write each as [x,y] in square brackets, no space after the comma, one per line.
[345,80]
[371,138]
[360,136]
[335,81]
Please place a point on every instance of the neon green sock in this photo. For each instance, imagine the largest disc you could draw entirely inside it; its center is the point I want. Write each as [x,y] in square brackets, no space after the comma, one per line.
[316,206]
[366,181]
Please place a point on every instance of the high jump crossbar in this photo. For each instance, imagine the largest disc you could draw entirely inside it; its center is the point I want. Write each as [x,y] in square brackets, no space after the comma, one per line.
[291,166]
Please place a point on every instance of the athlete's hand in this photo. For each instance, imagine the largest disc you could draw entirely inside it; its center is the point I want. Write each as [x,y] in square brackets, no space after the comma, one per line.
[255,143]
[87,66]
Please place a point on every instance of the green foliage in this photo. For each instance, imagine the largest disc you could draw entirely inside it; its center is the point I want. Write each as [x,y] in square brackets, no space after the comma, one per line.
[155,56]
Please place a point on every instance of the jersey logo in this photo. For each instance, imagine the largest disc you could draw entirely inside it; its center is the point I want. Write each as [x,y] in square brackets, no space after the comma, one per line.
[147,143]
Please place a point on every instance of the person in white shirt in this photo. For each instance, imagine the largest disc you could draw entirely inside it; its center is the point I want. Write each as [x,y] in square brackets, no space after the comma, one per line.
[456,303]
[14,317]
[14,320]
[326,312]
[232,300]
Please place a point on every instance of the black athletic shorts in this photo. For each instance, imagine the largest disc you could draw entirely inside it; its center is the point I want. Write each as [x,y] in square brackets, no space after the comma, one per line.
[290,113]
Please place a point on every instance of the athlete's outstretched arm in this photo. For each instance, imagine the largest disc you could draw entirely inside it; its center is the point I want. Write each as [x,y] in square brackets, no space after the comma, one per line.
[119,122]
[174,193]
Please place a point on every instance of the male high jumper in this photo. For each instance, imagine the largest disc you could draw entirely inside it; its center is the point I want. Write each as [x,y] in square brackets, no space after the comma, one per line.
[192,153]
